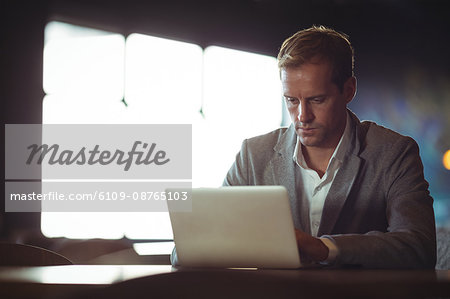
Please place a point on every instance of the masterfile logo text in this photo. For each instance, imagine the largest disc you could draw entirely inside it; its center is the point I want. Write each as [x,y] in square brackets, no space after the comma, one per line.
[97,168]
[98,152]
[94,156]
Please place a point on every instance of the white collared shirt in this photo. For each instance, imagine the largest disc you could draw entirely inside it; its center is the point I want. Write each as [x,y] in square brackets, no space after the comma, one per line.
[315,189]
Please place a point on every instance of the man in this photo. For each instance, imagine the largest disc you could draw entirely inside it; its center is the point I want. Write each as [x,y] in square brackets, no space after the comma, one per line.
[357,191]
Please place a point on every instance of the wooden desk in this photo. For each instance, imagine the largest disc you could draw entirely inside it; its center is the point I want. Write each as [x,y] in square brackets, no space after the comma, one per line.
[111,281]
[56,281]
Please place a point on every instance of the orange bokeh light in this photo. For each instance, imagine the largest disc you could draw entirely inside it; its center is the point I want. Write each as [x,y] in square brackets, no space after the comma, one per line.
[446,159]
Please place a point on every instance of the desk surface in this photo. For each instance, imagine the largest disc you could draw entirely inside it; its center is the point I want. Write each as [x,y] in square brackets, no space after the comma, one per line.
[79,274]
[56,281]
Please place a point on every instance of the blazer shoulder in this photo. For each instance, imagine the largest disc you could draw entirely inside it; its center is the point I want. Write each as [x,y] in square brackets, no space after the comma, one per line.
[266,140]
[377,138]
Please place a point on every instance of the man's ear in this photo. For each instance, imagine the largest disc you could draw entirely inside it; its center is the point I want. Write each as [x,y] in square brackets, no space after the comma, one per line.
[350,89]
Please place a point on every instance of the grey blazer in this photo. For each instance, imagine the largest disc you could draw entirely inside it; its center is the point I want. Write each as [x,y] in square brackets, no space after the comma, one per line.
[378,210]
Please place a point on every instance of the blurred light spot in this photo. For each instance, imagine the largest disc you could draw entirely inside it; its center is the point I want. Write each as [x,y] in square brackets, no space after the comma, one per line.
[154,248]
[446,160]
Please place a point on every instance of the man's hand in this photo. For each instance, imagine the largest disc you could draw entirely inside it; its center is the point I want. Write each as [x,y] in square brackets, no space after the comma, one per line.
[311,247]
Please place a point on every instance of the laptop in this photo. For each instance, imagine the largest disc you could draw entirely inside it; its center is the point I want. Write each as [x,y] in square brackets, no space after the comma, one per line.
[236,227]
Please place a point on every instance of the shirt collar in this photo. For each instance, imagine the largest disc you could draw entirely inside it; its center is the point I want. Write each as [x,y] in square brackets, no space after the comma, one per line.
[338,153]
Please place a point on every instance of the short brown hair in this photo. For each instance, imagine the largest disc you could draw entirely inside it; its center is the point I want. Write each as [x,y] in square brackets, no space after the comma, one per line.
[323,43]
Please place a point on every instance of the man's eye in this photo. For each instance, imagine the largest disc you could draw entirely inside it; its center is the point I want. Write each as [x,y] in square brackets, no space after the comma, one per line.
[318,100]
[292,101]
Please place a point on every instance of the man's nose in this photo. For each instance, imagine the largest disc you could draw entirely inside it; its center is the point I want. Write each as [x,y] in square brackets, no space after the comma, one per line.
[305,114]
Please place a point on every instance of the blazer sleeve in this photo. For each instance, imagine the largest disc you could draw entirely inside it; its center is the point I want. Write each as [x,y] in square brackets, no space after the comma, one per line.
[238,173]
[410,239]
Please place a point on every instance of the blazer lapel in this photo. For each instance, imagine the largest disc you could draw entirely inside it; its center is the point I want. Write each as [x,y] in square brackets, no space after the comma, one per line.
[283,170]
[343,182]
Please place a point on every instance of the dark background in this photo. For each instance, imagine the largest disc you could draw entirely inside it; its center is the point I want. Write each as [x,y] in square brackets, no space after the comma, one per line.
[402,58]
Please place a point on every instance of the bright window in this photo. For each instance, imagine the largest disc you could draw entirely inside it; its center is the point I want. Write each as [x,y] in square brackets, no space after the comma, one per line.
[93,76]
[83,74]
[242,98]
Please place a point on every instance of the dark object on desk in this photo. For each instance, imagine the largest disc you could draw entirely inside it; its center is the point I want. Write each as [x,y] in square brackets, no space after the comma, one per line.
[96,251]
[27,255]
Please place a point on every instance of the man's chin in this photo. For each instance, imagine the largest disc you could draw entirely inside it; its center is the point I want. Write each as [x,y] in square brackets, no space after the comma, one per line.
[308,141]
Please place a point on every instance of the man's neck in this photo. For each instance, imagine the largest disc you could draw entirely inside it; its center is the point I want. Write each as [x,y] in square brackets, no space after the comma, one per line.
[318,158]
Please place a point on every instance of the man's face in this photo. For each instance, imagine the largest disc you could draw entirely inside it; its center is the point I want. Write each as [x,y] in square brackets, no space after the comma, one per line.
[316,105]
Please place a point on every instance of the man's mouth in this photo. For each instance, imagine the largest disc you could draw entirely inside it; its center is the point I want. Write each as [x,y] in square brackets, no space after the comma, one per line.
[306,129]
